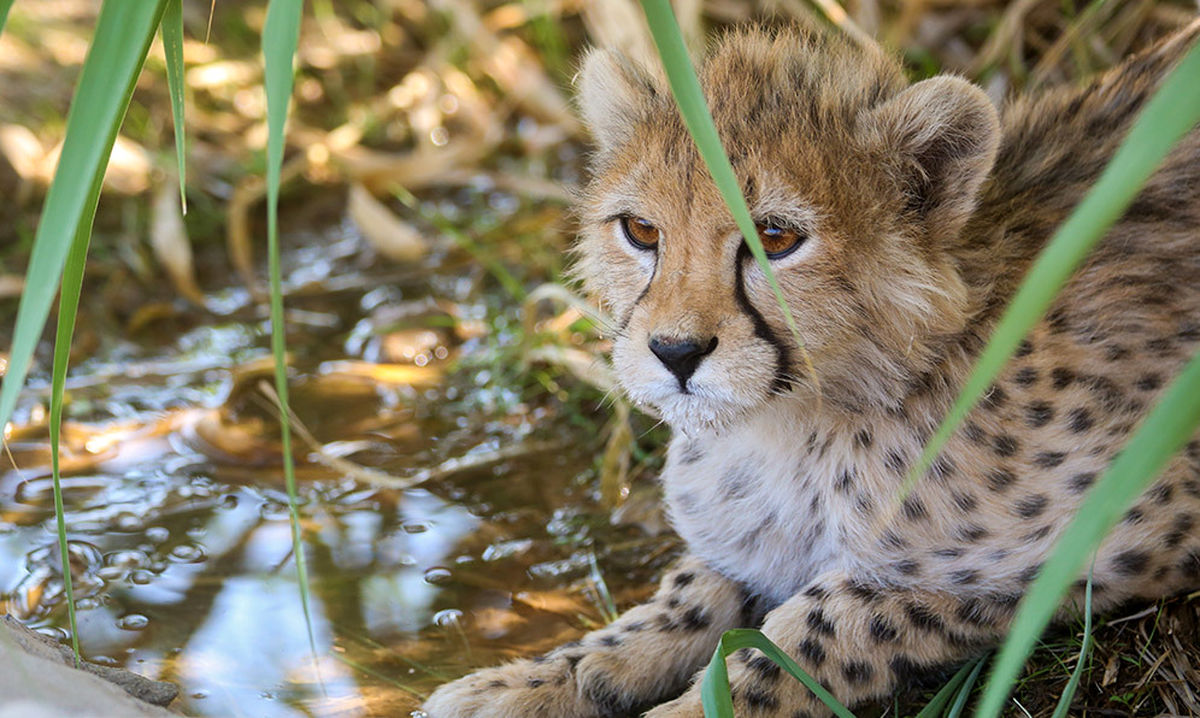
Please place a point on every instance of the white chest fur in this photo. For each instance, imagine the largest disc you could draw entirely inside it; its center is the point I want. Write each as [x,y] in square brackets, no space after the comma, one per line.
[755,502]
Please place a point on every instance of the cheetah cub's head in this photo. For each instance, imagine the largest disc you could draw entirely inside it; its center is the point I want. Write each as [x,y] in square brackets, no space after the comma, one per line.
[860,185]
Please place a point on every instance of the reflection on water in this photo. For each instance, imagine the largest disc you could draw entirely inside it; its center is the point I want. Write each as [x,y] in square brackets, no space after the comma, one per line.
[181,549]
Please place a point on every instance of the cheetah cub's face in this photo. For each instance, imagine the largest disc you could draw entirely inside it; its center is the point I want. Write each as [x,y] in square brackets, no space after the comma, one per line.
[859,184]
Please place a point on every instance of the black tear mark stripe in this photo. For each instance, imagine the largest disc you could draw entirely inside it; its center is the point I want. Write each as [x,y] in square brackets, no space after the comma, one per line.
[762,330]
[645,290]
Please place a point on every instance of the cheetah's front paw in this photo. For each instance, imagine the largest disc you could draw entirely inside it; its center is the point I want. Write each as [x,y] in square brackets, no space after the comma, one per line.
[564,684]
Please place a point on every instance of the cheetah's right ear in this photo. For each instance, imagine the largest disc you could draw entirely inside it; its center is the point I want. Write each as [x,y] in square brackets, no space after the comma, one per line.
[944,132]
[612,88]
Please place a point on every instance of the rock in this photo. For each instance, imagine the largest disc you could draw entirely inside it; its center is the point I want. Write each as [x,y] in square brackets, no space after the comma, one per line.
[37,677]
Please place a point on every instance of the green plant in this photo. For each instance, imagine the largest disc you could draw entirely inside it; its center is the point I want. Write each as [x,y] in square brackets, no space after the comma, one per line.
[122,37]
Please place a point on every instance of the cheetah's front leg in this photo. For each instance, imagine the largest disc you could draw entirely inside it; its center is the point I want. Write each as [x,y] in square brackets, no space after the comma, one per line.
[645,656]
[859,641]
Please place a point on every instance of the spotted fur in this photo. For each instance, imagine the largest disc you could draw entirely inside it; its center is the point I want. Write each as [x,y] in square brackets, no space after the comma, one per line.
[922,206]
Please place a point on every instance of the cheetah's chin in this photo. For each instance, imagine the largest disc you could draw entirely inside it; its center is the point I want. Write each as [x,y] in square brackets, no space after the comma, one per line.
[695,414]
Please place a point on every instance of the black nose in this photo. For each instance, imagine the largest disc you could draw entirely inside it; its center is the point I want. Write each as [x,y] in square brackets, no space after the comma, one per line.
[682,356]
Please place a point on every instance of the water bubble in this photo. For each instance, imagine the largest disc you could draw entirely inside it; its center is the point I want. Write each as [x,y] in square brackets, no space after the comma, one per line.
[448,618]
[437,575]
[418,713]
[128,522]
[199,695]
[156,534]
[140,578]
[133,622]
[415,527]
[188,553]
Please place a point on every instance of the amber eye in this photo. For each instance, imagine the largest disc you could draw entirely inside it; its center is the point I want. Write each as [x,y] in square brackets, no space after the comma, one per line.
[639,232]
[779,241]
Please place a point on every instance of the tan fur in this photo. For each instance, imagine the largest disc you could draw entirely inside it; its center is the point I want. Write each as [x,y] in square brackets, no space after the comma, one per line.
[923,208]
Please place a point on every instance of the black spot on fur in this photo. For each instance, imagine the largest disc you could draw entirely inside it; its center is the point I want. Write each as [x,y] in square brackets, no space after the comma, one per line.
[1026,376]
[882,630]
[862,591]
[971,533]
[1180,528]
[965,502]
[908,567]
[1161,494]
[1000,479]
[974,433]
[845,480]
[816,591]
[914,509]
[608,700]
[1049,459]
[1080,420]
[1005,445]
[1038,414]
[760,700]
[694,619]
[863,439]
[923,618]
[1061,378]
[1031,506]
[1131,562]
[1149,382]
[1029,573]
[857,671]
[995,398]
[1024,349]
[1081,482]
[683,579]
[811,650]
[764,667]
[894,460]
[820,623]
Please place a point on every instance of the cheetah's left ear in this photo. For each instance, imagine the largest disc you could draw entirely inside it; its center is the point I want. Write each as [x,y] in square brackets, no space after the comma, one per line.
[945,133]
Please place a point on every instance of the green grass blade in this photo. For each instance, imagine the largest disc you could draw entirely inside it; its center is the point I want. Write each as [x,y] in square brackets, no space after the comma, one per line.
[964,692]
[937,704]
[685,87]
[123,34]
[172,37]
[5,6]
[1064,701]
[1168,427]
[281,33]
[714,690]
[68,305]
[1174,109]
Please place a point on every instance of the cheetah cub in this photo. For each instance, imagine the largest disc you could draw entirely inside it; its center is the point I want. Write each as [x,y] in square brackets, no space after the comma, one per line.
[899,219]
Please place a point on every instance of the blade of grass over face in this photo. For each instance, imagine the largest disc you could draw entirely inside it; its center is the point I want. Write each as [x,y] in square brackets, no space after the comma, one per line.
[1064,701]
[172,36]
[281,34]
[5,6]
[714,690]
[119,46]
[685,87]
[1173,110]
[1168,427]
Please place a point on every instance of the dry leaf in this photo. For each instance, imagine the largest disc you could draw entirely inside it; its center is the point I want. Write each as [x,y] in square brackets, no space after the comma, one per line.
[389,235]
[169,240]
